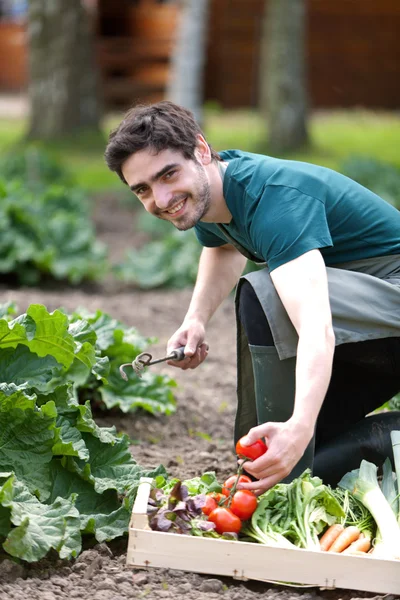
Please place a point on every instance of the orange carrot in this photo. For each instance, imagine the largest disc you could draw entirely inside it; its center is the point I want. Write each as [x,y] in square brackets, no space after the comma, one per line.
[362,544]
[330,536]
[349,534]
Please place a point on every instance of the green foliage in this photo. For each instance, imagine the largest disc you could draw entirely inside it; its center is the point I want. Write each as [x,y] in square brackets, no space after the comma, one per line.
[169,262]
[34,167]
[117,344]
[45,229]
[294,514]
[62,475]
[380,177]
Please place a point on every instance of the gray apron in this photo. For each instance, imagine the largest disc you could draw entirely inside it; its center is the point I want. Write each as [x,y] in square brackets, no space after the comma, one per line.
[365,302]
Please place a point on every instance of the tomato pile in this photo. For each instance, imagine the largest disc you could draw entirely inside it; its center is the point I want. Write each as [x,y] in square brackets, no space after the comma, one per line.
[227,510]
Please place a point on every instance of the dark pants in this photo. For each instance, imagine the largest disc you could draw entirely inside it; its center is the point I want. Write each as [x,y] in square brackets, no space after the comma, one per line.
[365,375]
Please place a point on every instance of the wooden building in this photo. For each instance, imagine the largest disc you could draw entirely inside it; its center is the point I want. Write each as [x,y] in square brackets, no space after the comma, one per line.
[353,50]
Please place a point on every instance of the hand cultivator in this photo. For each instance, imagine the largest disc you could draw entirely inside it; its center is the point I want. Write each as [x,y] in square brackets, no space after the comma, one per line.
[145,359]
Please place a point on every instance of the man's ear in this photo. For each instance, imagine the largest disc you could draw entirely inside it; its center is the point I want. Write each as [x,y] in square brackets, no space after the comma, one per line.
[203,152]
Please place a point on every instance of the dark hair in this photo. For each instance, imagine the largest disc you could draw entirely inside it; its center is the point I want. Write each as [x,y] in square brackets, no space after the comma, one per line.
[158,127]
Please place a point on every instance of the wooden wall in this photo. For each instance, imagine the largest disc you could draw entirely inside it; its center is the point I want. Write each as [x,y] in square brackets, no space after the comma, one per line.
[231,74]
[354,53]
[353,49]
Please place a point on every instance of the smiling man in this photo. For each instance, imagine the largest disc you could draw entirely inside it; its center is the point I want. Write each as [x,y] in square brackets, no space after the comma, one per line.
[319,326]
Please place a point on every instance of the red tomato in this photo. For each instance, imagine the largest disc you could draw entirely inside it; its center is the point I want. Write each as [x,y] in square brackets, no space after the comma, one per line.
[230,482]
[209,505]
[218,496]
[253,451]
[243,504]
[225,520]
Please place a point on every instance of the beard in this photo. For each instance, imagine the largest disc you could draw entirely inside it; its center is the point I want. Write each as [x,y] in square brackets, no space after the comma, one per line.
[199,199]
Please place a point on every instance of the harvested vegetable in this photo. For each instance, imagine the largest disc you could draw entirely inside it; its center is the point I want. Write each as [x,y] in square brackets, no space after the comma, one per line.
[345,538]
[231,483]
[363,484]
[243,504]
[362,544]
[330,535]
[294,514]
[224,520]
[210,504]
[252,451]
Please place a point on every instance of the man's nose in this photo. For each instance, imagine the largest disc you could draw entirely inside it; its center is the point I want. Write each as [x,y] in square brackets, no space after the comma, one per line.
[162,198]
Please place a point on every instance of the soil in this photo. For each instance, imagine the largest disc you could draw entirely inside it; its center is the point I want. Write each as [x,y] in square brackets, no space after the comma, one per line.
[197,438]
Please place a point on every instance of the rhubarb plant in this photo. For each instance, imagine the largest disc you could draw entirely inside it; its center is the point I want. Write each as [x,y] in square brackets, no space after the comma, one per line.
[61,475]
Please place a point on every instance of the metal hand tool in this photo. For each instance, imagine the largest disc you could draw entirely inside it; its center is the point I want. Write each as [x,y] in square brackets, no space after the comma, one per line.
[145,359]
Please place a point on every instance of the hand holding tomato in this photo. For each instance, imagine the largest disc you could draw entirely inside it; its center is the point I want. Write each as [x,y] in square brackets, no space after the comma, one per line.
[286,444]
[253,450]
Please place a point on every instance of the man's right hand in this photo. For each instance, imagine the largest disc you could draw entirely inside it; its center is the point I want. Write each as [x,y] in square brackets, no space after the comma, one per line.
[191,335]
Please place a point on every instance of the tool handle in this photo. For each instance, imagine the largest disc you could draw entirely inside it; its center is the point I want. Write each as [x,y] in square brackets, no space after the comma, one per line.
[177,354]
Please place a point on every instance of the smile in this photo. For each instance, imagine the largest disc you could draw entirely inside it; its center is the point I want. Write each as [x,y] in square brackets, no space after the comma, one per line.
[176,208]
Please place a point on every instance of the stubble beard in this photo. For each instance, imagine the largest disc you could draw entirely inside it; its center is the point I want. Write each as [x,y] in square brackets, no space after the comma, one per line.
[200,200]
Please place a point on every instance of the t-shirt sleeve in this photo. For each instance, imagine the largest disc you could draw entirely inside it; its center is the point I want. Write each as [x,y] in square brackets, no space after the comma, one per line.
[288,223]
[207,237]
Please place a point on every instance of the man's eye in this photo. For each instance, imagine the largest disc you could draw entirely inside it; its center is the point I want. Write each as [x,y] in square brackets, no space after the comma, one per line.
[169,174]
[140,191]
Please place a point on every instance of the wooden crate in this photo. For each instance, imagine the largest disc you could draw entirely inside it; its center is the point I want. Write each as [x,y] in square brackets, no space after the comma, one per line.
[244,560]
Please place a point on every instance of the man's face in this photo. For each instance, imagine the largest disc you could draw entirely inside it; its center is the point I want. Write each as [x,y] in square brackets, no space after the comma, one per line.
[169,186]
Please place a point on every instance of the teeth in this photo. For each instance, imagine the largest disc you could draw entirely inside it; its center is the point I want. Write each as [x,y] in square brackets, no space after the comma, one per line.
[176,208]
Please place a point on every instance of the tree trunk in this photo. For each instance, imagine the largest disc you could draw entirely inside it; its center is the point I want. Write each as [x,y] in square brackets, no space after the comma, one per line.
[63,86]
[186,81]
[284,97]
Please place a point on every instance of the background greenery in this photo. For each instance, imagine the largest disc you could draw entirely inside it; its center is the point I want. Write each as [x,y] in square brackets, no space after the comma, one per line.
[335,136]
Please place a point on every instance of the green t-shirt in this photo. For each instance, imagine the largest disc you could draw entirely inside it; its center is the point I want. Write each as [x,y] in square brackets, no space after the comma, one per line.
[282,209]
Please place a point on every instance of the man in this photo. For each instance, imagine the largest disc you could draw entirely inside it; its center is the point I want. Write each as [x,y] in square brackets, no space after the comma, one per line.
[320,325]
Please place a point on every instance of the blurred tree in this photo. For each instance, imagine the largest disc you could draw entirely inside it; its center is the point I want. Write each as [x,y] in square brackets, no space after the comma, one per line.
[186,81]
[284,97]
[63,86]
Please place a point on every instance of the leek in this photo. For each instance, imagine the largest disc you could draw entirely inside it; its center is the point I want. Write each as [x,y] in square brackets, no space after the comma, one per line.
[395,437]
[363,484]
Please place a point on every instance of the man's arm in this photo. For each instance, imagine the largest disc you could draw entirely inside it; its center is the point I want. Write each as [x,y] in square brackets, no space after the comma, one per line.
[219,271]
[303,288]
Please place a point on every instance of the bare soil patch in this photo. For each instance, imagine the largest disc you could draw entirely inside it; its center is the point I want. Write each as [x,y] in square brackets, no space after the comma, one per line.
[197,438]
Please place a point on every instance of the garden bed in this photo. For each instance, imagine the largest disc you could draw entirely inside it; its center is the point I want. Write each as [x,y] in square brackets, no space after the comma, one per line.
[197,438]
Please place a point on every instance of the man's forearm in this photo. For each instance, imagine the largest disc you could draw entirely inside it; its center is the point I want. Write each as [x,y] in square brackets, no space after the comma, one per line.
[219,271]
[313,373]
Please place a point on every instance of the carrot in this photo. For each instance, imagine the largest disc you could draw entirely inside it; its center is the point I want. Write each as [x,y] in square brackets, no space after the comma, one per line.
[349,534]
[362,544]
[330,536]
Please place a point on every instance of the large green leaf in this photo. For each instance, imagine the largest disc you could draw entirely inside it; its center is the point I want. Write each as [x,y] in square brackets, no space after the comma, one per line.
[43,332]
[106,527]
[86,423]
[39,527]
[68,440]
[20,366]
[26,441]
[111,465]
[12,396]
[151,392]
